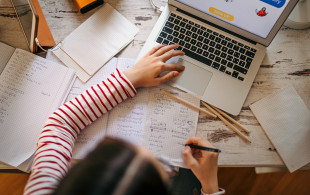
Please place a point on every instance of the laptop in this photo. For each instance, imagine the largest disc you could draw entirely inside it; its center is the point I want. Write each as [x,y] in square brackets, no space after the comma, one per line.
[224,42]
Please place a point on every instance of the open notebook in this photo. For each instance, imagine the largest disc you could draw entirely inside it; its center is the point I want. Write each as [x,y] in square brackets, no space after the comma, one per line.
[31,88]
[150,119]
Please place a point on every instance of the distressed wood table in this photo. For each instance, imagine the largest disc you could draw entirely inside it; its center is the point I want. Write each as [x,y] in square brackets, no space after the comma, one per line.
[287,62]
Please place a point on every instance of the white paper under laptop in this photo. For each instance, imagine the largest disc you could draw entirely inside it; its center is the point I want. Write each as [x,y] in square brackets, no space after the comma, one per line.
[224,42]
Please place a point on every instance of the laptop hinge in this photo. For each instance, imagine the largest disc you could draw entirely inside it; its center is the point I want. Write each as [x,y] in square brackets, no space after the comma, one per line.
[216,26]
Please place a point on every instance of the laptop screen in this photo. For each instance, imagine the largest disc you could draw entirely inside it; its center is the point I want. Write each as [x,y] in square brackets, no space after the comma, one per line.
[255,16]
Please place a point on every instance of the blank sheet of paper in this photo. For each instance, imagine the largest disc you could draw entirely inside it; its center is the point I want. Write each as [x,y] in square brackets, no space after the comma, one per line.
[69,62]
[286,120]
[169,125]
[99,38]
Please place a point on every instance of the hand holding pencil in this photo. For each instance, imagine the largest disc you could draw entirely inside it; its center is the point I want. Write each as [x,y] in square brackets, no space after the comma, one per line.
[205,166]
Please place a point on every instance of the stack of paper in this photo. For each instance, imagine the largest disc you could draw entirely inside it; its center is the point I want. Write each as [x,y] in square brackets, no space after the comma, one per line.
[286,121]
[96,41]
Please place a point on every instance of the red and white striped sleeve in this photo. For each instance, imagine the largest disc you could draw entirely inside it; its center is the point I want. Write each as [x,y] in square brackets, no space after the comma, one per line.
[54,148]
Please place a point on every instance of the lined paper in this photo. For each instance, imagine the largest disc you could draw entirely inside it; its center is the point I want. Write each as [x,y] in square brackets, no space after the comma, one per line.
[286,120]
[169,125]
[127,120]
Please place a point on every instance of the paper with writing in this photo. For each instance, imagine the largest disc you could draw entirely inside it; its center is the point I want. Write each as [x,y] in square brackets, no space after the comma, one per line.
[169,125]
[31,88]
[126,121]
[286,120]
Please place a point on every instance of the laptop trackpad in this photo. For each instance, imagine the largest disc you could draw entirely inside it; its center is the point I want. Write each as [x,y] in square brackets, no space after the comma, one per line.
[193,78]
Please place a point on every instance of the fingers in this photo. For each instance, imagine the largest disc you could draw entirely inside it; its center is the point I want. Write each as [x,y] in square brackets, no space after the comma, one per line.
[170,54]
[164,49]
[190,161]
[199,141]
[194,140]
[154,49]
[167,77]
[172,67]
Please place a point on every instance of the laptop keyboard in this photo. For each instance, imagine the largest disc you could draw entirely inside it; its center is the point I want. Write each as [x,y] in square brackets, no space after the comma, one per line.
[207,46]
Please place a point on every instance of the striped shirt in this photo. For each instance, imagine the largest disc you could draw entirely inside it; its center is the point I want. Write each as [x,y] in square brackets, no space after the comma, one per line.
[56,141]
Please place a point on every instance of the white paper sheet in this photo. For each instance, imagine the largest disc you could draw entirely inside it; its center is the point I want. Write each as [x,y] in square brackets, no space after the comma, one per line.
[169,125]
[97,40]
[31,88]
[69,62]
[286,120]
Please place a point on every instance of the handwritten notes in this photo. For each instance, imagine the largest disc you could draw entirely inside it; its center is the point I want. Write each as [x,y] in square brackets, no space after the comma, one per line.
[127,120]
[31,88]
[150,119]
[169,125]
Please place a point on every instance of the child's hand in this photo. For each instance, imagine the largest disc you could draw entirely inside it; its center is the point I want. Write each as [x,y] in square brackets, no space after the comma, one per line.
[203,164]
[145,73]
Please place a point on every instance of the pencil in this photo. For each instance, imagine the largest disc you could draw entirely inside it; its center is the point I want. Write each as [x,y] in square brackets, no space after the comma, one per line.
[226,122]
[204,148]
[231,119]
[188,104]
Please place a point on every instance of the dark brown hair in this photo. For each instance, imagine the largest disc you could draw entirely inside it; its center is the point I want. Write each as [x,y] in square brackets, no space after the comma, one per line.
[104,169]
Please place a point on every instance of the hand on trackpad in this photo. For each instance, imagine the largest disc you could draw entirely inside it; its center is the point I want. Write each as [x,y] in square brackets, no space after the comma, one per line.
[193,78]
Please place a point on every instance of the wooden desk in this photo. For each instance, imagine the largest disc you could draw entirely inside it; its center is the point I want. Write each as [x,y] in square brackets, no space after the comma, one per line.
[287,62]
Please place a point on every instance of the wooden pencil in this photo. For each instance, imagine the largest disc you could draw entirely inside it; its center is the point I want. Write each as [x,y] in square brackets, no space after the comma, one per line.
[231,119]
[188,104]
[226,122]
